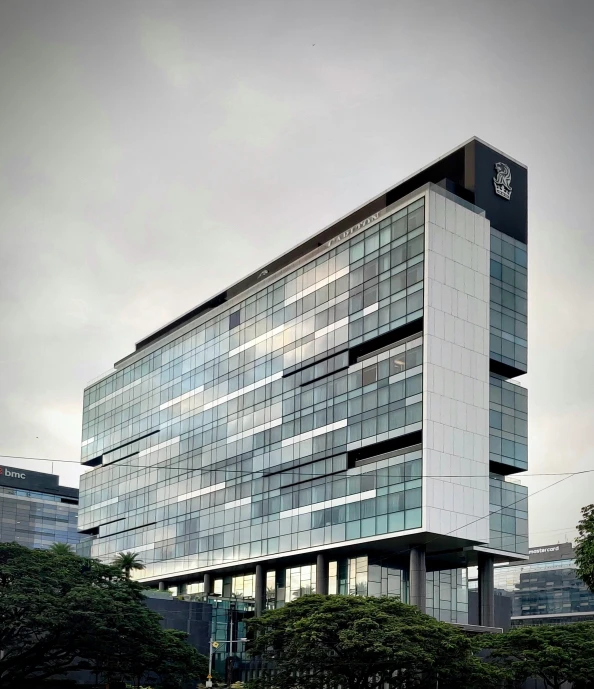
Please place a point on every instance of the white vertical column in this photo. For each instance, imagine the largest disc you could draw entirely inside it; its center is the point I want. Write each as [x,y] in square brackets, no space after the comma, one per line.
[456,371]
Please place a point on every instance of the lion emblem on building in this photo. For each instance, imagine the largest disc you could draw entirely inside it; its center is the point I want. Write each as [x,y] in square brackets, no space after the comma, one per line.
[502,181]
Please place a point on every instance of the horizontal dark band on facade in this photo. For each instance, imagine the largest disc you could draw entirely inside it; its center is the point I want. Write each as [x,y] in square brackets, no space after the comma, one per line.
[364,350]
[295,369]
[93,462]
[504,469]
[372,452]
[385,340]
[94,530]
[96,461]
[132,528]
[326,375]
[309,479]
[505,370]
[387,455]
[304,464]
[121,459]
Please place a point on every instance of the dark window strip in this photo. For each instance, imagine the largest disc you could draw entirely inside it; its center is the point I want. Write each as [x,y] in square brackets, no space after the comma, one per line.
[326,375]
[298,466]
[309,479]
[291,371]
[386,339]
[373,452]
[133,528]
[96,461]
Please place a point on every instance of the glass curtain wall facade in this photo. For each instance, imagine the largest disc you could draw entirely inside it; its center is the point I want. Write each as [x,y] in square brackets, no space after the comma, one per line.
[230,442]
[37,513]
[546,592]
[340,421]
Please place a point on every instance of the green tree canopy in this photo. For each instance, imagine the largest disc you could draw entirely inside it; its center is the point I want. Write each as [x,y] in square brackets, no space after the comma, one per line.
[356,642]
[127,562]
[61,549]
[59,614]
[554,653]
[584,550]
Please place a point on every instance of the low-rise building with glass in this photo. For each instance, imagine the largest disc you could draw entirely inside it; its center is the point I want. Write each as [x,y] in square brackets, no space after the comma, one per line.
[343,419]
[35,510]
[545,589]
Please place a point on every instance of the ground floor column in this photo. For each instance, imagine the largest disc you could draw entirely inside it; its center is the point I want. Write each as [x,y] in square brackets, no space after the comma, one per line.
[486,590]
[161,586]
[207,584]
[259,591]
[322,574]
[417,577]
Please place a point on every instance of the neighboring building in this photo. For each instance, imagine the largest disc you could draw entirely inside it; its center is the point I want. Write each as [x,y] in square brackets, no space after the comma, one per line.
[35,510]
[194,618]
[342,420]
[546,589]
[503,608]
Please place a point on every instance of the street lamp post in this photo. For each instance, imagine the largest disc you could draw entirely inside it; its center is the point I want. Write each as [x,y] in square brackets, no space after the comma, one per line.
[213,646]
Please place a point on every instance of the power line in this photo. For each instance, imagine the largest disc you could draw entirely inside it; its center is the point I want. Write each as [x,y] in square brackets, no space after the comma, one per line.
[391,553]
[288,471]
[371,561]
[449,533]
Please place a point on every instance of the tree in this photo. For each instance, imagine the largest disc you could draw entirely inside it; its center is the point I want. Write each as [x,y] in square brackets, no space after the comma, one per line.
[127,562]
[354,642]
[584,550]
[39,634]
[178,662]
[59,614]
[554,653]
[62,549]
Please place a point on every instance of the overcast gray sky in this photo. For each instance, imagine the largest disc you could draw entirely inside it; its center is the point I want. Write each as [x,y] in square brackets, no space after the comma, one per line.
[151,153]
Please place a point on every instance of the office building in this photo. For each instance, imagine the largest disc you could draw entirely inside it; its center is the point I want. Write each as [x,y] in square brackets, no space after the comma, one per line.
[545,589]
[35,510]
[342,420]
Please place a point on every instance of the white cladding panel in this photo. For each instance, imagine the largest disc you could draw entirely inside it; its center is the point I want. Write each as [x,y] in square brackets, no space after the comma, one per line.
[456,371]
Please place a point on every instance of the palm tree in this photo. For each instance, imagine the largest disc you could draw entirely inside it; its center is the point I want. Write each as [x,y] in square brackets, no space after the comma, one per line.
[127,562]
[61,549]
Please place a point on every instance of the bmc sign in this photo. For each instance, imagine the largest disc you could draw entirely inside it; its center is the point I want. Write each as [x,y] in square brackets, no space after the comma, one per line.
[11,473]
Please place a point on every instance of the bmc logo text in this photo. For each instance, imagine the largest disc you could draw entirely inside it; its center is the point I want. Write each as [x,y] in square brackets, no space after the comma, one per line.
[9,473]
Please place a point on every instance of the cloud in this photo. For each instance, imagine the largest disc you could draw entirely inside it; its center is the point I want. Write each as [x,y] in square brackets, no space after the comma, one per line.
[254,118]
[163,44]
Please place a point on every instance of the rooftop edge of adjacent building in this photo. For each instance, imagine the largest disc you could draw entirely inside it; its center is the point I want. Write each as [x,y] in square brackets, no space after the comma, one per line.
[39,482]
[455,171]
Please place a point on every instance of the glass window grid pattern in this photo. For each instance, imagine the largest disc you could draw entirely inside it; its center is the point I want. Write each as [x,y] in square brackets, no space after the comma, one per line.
[385,580]
[38,521]
[508,423]
[536,621]
[544,588]
[447,595]
[508,515]
[509,310]
[218,400]
[388,400]
[228,623]
[447,590]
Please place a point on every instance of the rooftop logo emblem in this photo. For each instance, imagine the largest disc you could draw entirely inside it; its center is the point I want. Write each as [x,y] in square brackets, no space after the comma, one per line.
[502,181]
